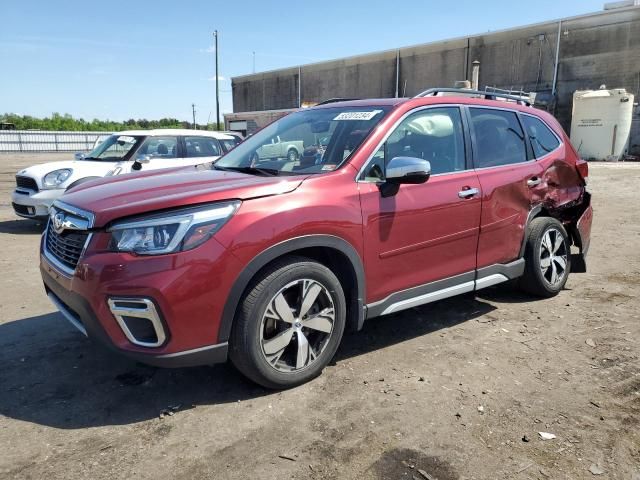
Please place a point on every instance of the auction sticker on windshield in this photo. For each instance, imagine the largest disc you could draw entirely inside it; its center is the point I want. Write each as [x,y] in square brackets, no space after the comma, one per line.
[357,115]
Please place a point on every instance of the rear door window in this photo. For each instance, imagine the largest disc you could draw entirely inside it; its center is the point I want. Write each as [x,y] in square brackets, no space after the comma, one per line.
[202,147]
[542,138]
[499,138]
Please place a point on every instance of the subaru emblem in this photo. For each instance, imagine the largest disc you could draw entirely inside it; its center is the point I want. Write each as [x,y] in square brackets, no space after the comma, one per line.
[58,222]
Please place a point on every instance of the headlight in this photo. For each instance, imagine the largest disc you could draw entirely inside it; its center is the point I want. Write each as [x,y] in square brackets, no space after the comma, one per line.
[56,178]
[172,232]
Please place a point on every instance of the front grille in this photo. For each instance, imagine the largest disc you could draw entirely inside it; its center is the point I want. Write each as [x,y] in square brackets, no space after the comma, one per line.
[66,247]
[26,182]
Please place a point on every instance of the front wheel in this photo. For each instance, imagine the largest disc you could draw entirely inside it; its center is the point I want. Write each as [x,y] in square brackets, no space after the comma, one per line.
[547,258]
[289,325]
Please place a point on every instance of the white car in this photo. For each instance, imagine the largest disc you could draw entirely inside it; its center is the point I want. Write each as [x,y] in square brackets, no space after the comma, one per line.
[123,152]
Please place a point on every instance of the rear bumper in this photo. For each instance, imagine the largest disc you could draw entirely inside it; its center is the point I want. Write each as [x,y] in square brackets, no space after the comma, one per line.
[582,237]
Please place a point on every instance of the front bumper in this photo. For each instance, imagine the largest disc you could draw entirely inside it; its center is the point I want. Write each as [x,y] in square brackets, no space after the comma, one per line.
[34,204]
[188,289]
[88,325]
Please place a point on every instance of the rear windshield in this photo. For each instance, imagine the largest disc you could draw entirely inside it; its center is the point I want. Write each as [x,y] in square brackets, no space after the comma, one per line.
[306,142]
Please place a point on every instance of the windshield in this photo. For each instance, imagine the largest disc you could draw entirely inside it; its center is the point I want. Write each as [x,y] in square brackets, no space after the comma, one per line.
[304,142]
[114,148]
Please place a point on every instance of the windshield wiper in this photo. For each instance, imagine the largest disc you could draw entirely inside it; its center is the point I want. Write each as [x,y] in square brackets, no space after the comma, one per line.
[272,172]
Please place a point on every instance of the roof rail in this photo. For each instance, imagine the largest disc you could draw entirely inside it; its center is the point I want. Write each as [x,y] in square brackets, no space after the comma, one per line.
[432,92]
[334,100]
[517,93]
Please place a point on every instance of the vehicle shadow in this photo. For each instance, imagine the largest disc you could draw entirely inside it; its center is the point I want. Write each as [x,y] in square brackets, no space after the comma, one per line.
[22,227]
[508,293]
[54,376]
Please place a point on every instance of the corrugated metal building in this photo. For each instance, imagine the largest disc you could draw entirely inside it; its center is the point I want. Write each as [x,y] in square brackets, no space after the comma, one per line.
[581,52]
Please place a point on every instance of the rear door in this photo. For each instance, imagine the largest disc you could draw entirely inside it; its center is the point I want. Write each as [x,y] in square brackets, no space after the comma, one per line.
[510,178]
[425,232]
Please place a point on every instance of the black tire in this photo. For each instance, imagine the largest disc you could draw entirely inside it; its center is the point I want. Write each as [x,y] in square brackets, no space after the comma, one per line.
[292,155]
[246,349]
[534,281]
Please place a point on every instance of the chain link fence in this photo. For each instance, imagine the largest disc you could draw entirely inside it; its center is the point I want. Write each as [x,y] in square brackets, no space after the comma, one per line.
[47,141]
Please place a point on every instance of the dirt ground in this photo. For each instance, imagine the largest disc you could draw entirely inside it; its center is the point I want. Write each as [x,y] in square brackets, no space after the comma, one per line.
[459,389]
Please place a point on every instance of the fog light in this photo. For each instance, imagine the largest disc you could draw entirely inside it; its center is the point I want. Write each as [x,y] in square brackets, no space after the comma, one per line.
[139,320]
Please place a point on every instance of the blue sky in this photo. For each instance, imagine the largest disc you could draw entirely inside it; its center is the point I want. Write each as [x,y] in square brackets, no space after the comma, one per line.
[135,59]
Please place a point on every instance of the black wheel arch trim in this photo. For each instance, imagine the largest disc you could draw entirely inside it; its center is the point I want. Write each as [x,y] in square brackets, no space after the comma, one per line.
[283,248]
[532,214]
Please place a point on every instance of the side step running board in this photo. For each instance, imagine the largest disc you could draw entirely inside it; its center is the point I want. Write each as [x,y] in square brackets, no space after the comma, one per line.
[449,287]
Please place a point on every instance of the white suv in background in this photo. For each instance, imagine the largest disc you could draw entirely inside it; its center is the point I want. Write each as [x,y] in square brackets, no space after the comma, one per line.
[123,152]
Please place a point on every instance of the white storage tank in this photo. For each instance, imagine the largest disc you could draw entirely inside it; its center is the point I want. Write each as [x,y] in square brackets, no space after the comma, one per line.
[601,122]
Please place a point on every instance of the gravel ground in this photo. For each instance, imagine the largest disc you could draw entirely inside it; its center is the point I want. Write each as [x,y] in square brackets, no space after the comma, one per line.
[456,389]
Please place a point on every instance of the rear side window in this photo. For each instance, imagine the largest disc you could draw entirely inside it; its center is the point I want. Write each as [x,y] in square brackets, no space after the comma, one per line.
[499,137]
[542,138]
[228,145]
[202,147]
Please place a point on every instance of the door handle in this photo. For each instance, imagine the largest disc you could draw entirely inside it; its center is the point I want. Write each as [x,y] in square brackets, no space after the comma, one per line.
[532,182]
[468,192]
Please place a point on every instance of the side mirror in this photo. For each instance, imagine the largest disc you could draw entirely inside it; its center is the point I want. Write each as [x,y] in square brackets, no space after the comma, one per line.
[140,159]
[79,156]
[407,170]
[401,170]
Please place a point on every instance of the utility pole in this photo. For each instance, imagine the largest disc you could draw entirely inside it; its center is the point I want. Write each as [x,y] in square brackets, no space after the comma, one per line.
[254,62]
[193,108]
[215,37]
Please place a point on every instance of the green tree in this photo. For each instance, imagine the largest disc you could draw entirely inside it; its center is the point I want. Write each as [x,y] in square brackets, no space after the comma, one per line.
[67,122]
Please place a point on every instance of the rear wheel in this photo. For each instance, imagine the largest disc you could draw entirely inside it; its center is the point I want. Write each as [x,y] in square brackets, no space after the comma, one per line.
[289,325]
[547,258]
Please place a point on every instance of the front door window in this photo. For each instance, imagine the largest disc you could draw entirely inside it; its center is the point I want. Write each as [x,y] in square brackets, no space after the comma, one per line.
[434,134]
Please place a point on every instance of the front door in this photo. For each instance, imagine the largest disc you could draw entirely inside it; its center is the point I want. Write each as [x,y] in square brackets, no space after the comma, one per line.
[427,232]
[157,152]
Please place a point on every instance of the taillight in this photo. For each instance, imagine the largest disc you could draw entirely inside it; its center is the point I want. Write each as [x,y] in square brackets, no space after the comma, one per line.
[583,169]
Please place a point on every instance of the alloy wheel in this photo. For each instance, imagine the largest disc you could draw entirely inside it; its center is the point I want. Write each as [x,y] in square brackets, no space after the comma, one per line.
[297,325]
[553,257]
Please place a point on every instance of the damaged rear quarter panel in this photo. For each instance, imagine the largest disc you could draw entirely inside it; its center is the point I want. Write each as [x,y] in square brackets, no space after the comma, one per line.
[561,185]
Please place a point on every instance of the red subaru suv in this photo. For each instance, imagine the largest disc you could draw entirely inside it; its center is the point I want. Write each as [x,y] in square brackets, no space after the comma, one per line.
[266,257]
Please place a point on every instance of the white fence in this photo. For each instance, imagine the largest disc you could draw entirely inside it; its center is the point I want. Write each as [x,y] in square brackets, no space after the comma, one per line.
[47,141]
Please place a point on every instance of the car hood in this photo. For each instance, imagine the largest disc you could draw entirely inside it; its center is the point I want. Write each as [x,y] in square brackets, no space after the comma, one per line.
[78,167]
[125,195]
